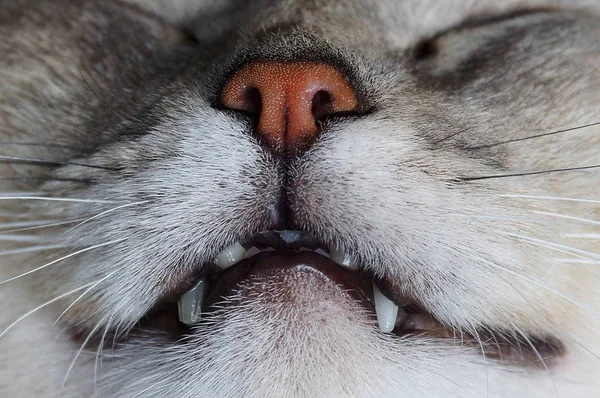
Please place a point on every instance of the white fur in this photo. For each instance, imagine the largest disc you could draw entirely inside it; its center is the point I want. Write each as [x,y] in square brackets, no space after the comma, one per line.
[517,253]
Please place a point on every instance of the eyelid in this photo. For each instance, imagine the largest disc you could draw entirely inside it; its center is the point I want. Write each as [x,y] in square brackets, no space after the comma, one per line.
[483,19]
[428,47]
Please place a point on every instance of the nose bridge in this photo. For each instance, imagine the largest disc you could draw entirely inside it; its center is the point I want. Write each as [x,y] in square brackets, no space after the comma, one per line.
[289,98]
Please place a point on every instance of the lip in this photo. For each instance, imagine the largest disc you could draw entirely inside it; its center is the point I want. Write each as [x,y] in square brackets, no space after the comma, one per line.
[280,263]
[301,256]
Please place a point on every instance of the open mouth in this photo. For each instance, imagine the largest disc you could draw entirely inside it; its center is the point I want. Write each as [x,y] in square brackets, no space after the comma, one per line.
[274,254]
[281,252]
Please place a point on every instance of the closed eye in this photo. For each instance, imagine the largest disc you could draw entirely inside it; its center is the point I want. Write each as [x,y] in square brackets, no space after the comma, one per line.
[427,48]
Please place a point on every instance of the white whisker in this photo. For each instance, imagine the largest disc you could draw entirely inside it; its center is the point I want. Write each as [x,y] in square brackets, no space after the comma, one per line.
[87,339]
[537,353]
[574,261]
[56,199]
[533,281]
[22,224]
[24,238]
[32,249]
[60,317]
[551,198]
[544,243]
[583,220]
[41,226]
[47,303]
[80,297]
[87,249]
[104,213]
[584,236]
[100,354]
[25,193]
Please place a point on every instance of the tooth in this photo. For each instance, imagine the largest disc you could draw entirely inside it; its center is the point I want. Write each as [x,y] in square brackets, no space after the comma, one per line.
[322,252]
[343,259]
[289,236]
[252,251]
[190,304]
[230,256]
[386,310]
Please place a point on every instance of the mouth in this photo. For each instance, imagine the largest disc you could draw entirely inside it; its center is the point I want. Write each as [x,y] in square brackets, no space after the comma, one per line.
[272,256]
[275,254]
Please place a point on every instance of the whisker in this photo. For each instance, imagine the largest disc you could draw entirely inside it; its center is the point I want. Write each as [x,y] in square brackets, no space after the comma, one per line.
[533,136]
[554,245]
[17,193]
[558,215]
[87,249]
[97,96]
[541,319]
[24,238]
[41,226]
[45,162]
[584,236]
[529,173]
[551,198]
[47,303]
[487,375]
[22,224]
[533,281]
[533,220]
[56,199]
[43,144]
[574,261]
[44,179]
[151,386]
[537,353]
[31,250]
[85,342]
[80,297]
[100,354]
[104,213]
[450,136]
[32,370]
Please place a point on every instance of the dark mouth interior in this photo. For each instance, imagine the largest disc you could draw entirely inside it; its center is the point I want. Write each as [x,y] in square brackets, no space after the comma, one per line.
[273,251]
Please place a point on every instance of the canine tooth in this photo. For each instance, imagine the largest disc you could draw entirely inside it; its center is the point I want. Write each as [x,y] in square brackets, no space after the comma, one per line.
[252,251]
[343,259]
[322,252]
[190,304]
[230,255]
[386,310]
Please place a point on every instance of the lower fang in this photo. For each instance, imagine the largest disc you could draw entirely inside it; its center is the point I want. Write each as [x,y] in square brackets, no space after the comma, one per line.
[190,304]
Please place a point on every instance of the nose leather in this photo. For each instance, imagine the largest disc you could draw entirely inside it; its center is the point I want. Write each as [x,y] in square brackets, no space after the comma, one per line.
[289,99]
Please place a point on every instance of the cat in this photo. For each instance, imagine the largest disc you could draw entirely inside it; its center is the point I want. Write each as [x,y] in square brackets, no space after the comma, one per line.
[300,198]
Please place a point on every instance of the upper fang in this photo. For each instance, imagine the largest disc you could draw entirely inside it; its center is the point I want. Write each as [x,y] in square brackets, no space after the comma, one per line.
[230,256]
[343,259]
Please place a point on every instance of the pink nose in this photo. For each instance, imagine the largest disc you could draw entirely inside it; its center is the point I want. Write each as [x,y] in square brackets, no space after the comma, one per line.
[289,99]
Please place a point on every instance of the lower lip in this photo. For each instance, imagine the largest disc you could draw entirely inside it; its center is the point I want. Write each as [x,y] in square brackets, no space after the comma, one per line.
[278,264]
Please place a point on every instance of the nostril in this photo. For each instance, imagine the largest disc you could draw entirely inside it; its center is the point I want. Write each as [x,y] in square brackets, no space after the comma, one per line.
[290,99]
[252,100]
[322,105]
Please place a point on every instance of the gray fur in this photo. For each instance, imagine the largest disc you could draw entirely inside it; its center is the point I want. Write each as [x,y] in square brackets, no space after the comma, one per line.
[403,188]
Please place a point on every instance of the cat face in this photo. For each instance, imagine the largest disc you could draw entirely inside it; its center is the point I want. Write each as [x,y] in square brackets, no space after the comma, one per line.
[457,193]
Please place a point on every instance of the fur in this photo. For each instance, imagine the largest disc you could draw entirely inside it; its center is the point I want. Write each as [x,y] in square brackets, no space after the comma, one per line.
[403,188]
